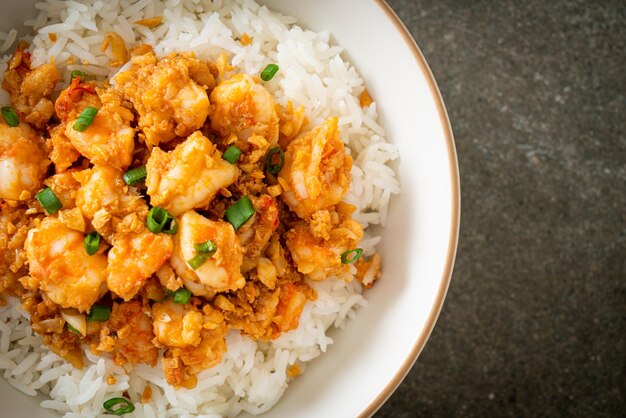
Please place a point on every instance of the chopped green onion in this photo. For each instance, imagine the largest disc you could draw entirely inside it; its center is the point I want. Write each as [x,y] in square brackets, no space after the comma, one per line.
[271,167]
[240,212]
[99,313]
[10,116]
[49,200]
[135,175]
[126,406]
[72,329]
[77,73]
[159,220]
[198,260]
[204,251]
[92,242]
[351,256]
[157,217]
[85,119]
[206,247]
[231,154]
[182,296]
[269,72]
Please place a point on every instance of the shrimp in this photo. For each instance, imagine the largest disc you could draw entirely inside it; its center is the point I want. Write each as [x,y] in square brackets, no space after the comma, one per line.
[23,162]
[243,107]
[318,257]
[317,170]
[30,89]
[106,200]
[134,258]
[61,268]
[218,273]
[189,176]
[109,139]
[176,325]
[167,94]
[128,333]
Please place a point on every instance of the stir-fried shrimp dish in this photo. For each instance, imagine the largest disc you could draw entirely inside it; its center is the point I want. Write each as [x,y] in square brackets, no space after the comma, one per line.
[145,216]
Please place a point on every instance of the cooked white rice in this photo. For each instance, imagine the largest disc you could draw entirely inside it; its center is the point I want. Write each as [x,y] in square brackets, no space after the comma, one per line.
[252,376]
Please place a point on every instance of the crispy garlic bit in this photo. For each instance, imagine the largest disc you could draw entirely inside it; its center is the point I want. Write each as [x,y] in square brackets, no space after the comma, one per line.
[63,154]
[118,49]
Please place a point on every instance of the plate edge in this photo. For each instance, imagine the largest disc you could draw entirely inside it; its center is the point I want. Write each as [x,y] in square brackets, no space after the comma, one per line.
[453,239]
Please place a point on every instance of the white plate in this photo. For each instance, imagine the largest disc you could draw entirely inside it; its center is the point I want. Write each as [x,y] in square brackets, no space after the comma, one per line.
[372,355]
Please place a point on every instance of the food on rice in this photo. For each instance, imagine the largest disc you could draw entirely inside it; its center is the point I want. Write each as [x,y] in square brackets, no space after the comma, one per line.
[195,189]
[187,222]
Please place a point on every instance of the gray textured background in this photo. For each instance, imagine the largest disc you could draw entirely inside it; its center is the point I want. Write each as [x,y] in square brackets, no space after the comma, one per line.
[535,320]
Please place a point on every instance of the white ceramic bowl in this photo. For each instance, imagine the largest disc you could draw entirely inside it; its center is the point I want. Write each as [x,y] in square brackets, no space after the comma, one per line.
[373,354]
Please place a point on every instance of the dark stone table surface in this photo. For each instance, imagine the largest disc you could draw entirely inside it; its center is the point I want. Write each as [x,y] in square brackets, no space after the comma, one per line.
[534,323]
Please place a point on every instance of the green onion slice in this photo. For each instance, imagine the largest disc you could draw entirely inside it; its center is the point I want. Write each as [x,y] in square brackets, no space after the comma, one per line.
[269,72]
[72,329]
[270,167]
[204,251]
[182,296]
[159,220]
[197,260]
[205,247]
[49,200]
[351,256]
[99,313]
[92,242]
[85,119]
[157,217]
[135,175]
[231,154]
[240,212]
[77,73]
[124,406]
[10,116]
